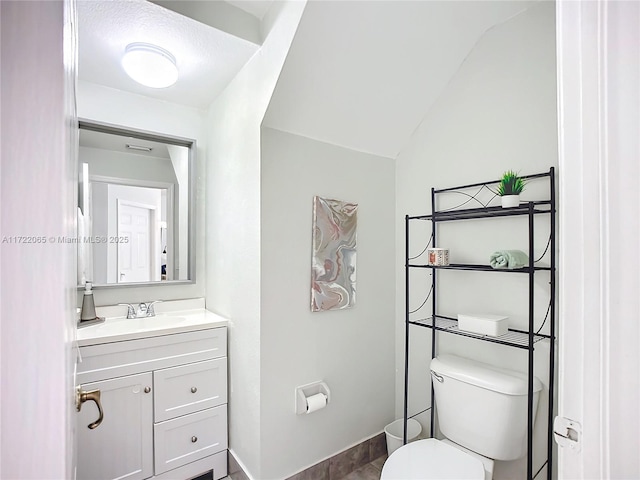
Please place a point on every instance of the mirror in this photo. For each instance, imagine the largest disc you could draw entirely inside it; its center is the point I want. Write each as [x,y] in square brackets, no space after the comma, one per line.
[135,207]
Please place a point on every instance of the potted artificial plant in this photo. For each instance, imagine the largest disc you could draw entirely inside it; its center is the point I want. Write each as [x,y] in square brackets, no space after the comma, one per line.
[509,189]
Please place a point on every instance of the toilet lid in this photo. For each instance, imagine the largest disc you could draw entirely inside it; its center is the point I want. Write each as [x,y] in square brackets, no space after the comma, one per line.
[431,459]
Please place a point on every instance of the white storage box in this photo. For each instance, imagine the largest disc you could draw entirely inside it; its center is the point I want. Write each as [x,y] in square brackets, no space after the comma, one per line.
[493,325]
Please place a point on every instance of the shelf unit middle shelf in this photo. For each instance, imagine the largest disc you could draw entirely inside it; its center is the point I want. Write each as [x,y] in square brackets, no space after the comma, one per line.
[513,338]
[480,268]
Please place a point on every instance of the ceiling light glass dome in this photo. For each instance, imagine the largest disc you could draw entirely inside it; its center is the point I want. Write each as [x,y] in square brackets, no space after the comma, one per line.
[150,65]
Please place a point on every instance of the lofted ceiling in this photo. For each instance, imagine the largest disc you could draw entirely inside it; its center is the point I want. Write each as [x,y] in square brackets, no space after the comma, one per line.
[208,58]
[363,74]
[360,73]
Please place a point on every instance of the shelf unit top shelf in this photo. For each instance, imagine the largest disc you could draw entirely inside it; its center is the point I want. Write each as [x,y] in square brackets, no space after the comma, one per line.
[486,212]
[513,338]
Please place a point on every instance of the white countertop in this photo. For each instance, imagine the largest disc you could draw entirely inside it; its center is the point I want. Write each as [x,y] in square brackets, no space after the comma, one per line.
[118,329]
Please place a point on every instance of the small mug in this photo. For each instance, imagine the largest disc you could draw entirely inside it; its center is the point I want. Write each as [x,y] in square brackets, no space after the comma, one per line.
[438,256]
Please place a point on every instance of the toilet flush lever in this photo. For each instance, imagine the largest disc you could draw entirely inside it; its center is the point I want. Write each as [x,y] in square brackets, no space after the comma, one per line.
[439,378]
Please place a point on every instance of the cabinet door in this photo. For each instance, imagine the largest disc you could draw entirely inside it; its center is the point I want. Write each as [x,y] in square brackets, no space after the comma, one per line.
[121,447]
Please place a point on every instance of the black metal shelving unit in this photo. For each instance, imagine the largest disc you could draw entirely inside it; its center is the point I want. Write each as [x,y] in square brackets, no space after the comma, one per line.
[521,339]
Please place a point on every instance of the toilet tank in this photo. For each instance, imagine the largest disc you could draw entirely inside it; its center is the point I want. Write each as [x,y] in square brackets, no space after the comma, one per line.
[482,407]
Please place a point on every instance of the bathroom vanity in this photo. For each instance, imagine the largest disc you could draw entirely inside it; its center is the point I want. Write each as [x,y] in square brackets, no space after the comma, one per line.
[161,411]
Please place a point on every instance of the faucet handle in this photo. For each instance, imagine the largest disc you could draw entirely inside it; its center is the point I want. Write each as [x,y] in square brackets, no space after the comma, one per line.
[151,311]
[131,311]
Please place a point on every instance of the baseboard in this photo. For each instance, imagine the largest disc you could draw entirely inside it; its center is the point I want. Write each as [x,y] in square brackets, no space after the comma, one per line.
[347,461]
[236,469]
[332,468]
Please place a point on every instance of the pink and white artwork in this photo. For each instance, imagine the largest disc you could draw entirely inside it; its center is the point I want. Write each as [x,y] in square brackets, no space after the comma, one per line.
[333,266]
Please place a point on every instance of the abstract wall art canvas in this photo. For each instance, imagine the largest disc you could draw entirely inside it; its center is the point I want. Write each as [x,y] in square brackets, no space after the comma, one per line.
[333,266]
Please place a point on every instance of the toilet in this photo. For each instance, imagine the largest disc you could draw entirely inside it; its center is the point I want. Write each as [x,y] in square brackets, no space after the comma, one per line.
[482,412]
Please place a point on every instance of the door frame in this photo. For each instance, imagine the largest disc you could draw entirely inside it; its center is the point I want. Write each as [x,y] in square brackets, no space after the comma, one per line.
[599,210]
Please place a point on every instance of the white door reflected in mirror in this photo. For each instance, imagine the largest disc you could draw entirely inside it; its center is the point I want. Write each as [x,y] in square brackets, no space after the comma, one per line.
[138,247]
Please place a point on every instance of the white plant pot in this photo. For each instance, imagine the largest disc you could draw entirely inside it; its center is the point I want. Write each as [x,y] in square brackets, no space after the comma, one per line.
[509,201]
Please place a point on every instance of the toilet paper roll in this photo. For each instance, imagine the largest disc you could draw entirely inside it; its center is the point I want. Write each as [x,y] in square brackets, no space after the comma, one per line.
[316,402]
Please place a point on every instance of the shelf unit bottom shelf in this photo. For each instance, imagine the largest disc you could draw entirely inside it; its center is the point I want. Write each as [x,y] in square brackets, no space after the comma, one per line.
[513,338]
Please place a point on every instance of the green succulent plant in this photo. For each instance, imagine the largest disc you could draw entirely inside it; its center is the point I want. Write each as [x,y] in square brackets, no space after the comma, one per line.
[510,184]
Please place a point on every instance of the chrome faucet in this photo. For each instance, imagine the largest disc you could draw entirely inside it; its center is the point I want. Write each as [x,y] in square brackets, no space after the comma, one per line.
[143,310]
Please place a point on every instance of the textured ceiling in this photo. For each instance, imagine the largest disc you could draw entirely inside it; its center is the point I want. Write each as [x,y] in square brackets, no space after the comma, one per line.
[363,74]
[207,58]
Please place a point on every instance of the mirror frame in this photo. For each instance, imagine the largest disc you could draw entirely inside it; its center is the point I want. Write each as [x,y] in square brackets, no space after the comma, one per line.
[190,143]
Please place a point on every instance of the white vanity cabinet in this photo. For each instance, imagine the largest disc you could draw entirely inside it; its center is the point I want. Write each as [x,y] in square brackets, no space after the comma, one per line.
[164,401]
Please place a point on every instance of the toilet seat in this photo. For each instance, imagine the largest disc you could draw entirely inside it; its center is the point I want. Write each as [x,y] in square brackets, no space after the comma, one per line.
[431,459]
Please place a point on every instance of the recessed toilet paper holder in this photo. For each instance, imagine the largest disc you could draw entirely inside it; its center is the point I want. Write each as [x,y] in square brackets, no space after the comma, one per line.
[307,391]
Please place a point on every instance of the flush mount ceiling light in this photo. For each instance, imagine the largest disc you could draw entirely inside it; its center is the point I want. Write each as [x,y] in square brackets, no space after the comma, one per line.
[150,65]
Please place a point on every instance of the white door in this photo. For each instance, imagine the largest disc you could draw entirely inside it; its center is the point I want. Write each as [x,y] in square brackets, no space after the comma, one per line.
[37,282]
[121,446]
[135,259]
[599,337]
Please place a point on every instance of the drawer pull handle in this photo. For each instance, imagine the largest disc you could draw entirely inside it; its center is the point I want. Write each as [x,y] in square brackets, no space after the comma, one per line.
[194,439]
[147,389]
[194,389]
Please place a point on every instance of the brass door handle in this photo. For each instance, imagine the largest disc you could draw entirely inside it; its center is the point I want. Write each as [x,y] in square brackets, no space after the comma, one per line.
[93,395]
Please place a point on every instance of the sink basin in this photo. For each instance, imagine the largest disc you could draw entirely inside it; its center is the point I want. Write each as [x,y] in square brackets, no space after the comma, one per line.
[159,321]
[119,328]
[116,326]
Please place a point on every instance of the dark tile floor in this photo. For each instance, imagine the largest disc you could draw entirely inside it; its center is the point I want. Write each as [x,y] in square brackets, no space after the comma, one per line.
[342,465]
[369,471]
[360,462]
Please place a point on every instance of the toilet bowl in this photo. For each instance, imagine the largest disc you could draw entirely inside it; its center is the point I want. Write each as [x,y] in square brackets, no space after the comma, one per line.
[432,459]
[472,399]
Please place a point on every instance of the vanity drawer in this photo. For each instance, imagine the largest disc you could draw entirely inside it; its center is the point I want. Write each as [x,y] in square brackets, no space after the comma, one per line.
[117,359]
[189,438]
[189,388]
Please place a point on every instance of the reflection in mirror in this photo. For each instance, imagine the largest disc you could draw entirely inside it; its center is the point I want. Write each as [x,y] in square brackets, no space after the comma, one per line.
[134,207]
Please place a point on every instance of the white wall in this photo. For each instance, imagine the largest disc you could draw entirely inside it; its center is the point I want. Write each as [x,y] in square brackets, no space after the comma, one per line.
[109,163]
[37,280]
[497,113]
[233,224]
[349,349]
[108,105]
[180,161]
[96,256]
